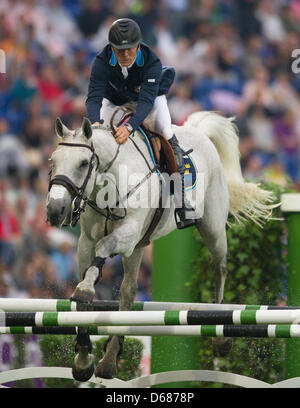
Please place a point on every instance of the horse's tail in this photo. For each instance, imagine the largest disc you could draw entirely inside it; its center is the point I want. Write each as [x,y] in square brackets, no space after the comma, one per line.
[247,200]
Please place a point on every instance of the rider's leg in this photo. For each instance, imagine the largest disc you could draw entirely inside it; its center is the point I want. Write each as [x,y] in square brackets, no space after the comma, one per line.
[106,111]
[162,121]
[185,214]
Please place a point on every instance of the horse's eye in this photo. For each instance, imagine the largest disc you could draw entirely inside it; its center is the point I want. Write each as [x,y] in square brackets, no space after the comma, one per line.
[83,163]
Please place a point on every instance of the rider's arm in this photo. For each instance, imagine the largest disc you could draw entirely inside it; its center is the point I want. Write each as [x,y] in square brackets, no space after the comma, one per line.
[96,89]
[148,93]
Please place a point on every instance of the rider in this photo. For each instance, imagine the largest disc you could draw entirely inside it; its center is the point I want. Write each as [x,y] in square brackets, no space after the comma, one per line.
[128,70]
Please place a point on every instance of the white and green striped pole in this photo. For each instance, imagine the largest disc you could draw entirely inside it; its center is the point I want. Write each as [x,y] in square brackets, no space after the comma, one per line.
[254,331]
[153,318]
[65,305]
[291,207]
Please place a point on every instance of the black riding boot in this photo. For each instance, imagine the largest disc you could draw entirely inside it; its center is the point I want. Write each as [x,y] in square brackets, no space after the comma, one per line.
[184,216]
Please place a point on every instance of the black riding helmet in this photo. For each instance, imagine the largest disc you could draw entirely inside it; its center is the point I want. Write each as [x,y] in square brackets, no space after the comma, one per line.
[124,33]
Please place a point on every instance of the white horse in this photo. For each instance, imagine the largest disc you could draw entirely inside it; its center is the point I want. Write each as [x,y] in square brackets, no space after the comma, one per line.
[84,155]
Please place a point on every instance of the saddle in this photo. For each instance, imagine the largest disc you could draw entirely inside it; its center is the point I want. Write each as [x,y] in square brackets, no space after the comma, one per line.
[164,159]
[162,150]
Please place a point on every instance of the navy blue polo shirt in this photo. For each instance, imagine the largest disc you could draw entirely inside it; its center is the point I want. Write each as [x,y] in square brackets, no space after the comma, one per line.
[146,80]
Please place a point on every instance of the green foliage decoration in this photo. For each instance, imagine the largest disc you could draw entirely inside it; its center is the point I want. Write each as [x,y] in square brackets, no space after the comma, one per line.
[257,274]
[58,351]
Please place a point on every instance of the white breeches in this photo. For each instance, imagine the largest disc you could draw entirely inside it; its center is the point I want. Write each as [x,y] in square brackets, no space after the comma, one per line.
[159,119]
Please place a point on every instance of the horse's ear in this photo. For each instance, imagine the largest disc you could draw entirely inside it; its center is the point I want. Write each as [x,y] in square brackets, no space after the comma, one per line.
[60,129]
[87,129]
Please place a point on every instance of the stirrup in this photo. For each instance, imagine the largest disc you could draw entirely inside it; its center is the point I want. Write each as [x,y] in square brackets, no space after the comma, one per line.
[181,221]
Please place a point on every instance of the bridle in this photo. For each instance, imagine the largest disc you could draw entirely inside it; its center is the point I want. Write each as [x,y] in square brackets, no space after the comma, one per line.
[79,201]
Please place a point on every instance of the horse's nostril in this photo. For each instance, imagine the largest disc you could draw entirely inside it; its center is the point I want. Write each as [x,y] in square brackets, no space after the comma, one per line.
[62,210]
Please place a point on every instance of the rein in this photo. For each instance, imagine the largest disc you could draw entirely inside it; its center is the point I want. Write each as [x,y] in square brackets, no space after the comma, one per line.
[79,202]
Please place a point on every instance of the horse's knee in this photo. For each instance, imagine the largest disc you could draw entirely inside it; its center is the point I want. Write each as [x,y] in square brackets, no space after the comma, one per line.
[107,246]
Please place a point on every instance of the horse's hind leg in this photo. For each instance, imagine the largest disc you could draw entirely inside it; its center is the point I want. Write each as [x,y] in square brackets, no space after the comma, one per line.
[215,239]
[106,368]
[216,242]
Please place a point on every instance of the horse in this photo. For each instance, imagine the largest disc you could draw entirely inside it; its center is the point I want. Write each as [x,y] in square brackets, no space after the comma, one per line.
[84,157]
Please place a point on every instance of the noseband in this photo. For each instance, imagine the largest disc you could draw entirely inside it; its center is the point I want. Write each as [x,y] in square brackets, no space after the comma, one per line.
[77,193]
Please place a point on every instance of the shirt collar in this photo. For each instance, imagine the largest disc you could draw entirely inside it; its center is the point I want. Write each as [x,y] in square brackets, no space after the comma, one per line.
[129,66]
[139,59]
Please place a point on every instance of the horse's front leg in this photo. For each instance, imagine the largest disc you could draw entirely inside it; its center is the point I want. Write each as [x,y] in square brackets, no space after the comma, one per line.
[83,365]
[121,241]
[106,368]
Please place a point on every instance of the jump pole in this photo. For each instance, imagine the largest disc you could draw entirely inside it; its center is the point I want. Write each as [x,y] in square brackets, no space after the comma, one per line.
[151,318]
[291,208]
[229,330]
[172,267]
[65,305]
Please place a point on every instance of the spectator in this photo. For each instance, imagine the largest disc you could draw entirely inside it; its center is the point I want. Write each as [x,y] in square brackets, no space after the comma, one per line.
[92,17]
[48,85]
[181,104]
[145,13]
[289,19]
[12,153]
[261,129]
[257,91]
[288,143]
[10,232]
[24,87]
[59,22]
[255,168]
[285,96]
[272,26]
[231,55]
[8,286]
[177,10]
[275,173]
[63,259]
[245,19]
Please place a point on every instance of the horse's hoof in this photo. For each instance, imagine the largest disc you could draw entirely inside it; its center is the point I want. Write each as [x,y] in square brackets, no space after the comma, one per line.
[221,346]
[105,370]
[83,373]
[82,296]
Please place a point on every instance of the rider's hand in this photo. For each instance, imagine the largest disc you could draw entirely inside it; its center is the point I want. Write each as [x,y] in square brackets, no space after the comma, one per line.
[122,134]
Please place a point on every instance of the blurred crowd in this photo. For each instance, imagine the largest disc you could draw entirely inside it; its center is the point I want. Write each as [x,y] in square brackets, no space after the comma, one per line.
[232,56]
